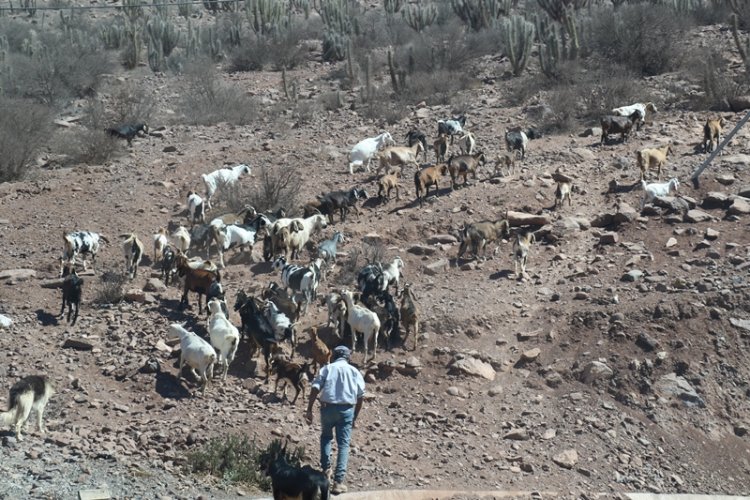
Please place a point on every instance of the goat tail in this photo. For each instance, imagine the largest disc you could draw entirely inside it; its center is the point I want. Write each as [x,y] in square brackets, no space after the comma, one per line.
[417,183]
[643,184]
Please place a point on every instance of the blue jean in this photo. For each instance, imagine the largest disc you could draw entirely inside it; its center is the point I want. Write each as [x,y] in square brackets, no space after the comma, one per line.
[341,418]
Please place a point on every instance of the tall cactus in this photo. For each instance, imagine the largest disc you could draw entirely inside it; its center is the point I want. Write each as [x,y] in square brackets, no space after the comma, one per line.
[155,53]
[480,14]
[265,15]
[164,32]
[550,48]
[420,16]
[392,7]
[340,24]
[564,12]
[517,35]
[132,52]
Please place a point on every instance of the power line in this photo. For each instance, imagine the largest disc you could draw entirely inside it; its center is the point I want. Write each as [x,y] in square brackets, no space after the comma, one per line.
[93,7]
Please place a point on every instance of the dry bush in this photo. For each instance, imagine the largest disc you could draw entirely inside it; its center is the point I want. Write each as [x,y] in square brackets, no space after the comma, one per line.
[357,259]
[111,290]
[273,188]
[285,50]
[717,81]
[24,130]
[207,100]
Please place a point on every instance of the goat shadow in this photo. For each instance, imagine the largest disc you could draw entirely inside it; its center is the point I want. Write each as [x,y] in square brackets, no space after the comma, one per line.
[505,273]
[170,310]
[47,318]
[169,387]
[262,268]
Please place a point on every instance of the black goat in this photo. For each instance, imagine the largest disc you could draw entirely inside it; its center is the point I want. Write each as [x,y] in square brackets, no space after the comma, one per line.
[201,237]
[371,281]
[384,305]
[289,480]
[71,293]
[415,135]
[257,327]
[341,201]
[168,258]
[283,301]
[128,131]
[622,125]
[271,216]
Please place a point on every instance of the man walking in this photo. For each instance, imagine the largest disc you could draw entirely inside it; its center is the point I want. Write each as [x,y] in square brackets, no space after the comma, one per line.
[341,388]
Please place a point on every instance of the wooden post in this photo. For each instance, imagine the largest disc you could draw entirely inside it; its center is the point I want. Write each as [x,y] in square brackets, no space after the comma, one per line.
[718,149]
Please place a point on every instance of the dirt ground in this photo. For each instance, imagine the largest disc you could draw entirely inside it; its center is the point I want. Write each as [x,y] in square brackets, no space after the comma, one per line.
[618,364]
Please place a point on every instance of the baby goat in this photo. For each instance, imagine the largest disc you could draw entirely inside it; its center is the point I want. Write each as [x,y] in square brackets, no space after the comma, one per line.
[71,292]
[225,337]
[712,133]
[289,372]
[562,193]
[132,248]
[653,158]
[521,248]
[651,191]
[160,242]
[196,209]
[289,481]
[195,352]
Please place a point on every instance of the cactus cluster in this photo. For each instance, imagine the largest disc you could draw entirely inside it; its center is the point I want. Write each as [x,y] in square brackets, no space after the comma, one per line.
[162,36]
[420,16]
[392,7]
[340,25]
[481,14]
[563,12]
[265,16]
[517,35]
[742,43]
[113,34]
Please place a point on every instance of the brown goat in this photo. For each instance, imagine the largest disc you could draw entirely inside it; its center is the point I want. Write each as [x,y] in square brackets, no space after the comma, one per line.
[507,160]
[441,147]
[387,183]
[479,234]
[462,165]
[320,352]
[410,312]
[712,133]
[653,158]
[562,192]
[196,280]
[288,371]
[427,177]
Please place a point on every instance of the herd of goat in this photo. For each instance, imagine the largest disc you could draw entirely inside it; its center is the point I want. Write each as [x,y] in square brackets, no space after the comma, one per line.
[273,318]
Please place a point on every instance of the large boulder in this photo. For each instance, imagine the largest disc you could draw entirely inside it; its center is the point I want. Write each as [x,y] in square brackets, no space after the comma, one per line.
[473,367]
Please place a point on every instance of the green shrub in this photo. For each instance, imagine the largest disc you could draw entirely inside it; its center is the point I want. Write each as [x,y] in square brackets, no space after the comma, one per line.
[24,130]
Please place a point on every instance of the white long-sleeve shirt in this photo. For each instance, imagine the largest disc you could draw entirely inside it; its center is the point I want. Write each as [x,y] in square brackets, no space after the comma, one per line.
[339,383]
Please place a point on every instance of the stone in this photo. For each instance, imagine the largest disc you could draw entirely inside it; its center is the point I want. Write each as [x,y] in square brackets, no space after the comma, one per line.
[437,267]
[696,215]
[421,250]
[741,159]
[78,345]
[531,354]
[632,275]
[566,459]
[715,199]
[671,242]
[609,238]
[97,494]
[154,285]
[517,435]
[744,192]
[5,322]
[473,367]
[135,295]
[672,204]
[725,179]
[711,234]
[591,131]
[595,370]
[743,324]
[624,213]
[677,386]
[17,274]
[739,206]
[495,390]
[445,239]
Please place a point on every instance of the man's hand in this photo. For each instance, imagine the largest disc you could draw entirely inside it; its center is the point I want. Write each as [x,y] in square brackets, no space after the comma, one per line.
[309,416]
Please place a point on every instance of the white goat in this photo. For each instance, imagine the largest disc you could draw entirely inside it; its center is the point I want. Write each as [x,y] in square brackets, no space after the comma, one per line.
[225,337]
[160,243]
[196,209]
[231,236]
[467,143]
[651,191]
[392,272]
[638,107]
[282,326]
[299,234]
[195,352]
[181,239]
[132,248]
[521,248]
[361,319]
[364,150]
[225,177]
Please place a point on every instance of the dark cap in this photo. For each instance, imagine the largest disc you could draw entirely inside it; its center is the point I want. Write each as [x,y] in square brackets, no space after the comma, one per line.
[342,352]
